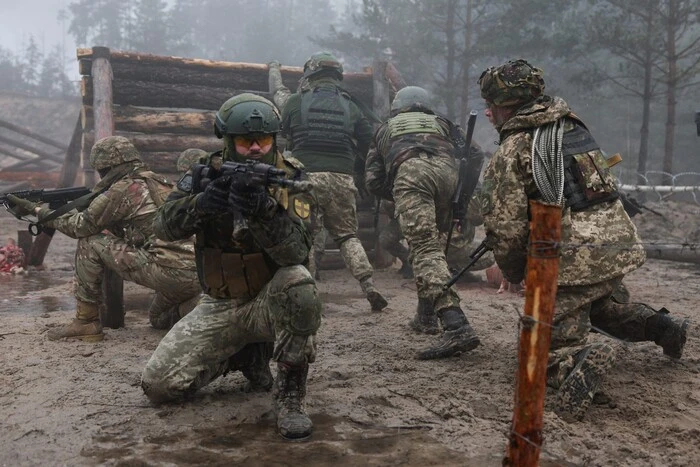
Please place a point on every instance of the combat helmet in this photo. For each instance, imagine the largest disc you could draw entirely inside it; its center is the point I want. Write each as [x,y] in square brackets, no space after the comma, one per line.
[111,151]
[189,157]
[246,114]
[322,62]
[515,82]
[411,96]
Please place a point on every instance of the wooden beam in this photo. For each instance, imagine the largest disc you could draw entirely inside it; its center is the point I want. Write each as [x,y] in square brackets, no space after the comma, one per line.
[28,148]
[113,285]
[525,438]
[31,134]
[687,254]
[144,120]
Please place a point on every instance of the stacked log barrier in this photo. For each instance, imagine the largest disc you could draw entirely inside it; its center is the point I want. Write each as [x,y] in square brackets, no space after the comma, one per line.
[165,105]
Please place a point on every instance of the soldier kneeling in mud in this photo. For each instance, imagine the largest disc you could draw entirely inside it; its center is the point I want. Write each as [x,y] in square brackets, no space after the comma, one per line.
[573,173]
[260,301]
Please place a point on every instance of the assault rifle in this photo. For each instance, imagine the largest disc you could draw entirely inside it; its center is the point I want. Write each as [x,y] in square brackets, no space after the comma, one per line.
[56,199]
[480,251]
[469,171]
[253,173]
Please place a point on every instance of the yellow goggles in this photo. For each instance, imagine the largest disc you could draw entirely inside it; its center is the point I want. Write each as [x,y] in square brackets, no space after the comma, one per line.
[247,140]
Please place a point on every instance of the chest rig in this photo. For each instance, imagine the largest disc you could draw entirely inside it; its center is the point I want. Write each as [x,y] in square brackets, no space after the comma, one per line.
[410,133]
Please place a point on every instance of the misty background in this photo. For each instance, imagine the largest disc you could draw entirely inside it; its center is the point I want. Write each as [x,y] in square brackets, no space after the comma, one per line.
[628,68]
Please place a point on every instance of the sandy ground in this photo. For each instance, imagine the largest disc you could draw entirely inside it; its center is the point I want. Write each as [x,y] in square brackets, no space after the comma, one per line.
[66,403]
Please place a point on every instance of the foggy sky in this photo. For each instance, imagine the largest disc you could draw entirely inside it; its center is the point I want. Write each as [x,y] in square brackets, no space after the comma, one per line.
[19,19]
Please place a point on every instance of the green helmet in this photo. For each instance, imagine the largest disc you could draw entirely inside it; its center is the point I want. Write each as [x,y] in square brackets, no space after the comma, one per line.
[244,114]
[189,157]
[411,96]
[323,61]
[112,150]
[515,82]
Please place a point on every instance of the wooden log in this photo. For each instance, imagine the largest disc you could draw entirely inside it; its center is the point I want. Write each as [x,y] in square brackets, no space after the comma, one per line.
[38,163]
[143,120]
[32,134]
[394,78]
[164,142]
[213,73]
[113,285]
[88,173]
[69,169]
[186,95]
[683,254]
[525,439]
[39,152]
[24,241]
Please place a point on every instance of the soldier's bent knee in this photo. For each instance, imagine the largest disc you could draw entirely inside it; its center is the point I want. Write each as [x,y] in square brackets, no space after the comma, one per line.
[298,301]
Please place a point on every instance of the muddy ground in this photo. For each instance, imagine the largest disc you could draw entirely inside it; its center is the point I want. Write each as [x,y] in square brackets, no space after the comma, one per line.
[66,403]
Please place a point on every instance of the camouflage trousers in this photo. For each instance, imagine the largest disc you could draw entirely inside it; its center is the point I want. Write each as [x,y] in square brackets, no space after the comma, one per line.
[390,237]
[97,252]
[287,311]
[462,245]
[423,190]
[579,309]
[333,200]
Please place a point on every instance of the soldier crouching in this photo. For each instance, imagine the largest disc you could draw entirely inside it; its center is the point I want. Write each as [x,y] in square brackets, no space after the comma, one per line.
[260,301]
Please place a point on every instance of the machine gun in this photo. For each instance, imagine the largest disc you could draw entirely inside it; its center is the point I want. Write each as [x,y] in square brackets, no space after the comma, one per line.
[60,200]
[469,171]
[254,174]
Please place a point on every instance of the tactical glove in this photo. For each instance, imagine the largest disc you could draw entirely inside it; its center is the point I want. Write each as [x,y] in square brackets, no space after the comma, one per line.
[21,207]
[251,201]
[214,199]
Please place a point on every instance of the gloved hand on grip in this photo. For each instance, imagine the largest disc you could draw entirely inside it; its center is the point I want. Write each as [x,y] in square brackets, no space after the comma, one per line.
[214,199]
[21,207]
[251,201]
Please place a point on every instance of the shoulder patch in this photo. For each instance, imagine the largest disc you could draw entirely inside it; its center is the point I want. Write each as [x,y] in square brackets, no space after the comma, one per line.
[302,208]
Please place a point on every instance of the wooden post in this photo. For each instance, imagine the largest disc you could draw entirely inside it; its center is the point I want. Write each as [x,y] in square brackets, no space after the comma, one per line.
[525,438]
[381,103]
[112,283]
[24,241]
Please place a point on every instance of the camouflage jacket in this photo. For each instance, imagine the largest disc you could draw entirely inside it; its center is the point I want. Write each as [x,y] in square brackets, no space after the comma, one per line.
[127,209]
[283,240]
[599,243]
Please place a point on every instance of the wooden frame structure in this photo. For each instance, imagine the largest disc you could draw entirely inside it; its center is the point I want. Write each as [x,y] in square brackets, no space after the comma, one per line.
[165,105]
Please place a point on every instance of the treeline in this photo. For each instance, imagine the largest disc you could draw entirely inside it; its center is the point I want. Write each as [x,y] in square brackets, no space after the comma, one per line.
[630,68]
[34,73]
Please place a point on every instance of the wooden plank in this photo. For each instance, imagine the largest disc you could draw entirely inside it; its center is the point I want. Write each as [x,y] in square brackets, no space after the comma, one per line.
[39,152]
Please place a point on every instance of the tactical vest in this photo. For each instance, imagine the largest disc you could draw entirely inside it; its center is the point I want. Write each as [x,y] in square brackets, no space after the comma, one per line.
[587,177]
[411,133]
[242,270]
[325,122]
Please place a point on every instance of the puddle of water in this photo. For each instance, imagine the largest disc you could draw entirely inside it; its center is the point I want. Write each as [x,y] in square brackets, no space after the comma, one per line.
[22,293]
[335,442]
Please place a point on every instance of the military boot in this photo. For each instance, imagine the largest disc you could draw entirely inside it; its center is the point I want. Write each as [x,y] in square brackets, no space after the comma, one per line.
[162,313]
[667,332]
[375,299]
[576,393]
[85,326]
[253,361]
[292,421]
[458,336]
[425,321]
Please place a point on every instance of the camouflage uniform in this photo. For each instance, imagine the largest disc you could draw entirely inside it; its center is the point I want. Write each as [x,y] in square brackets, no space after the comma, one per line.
[116,232]
[257,292]
[588,270]
[412,162]
[333,156]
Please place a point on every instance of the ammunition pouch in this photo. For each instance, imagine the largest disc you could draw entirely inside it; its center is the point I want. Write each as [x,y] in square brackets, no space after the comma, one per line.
[587,178]
[233,275]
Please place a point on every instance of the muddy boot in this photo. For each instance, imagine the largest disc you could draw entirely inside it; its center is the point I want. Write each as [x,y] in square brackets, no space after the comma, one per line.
[290,390]
[375,299]
[458,336]
[670,333]
[406,270]
[253,361]
[425,321]
[85,326]
[576,393]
